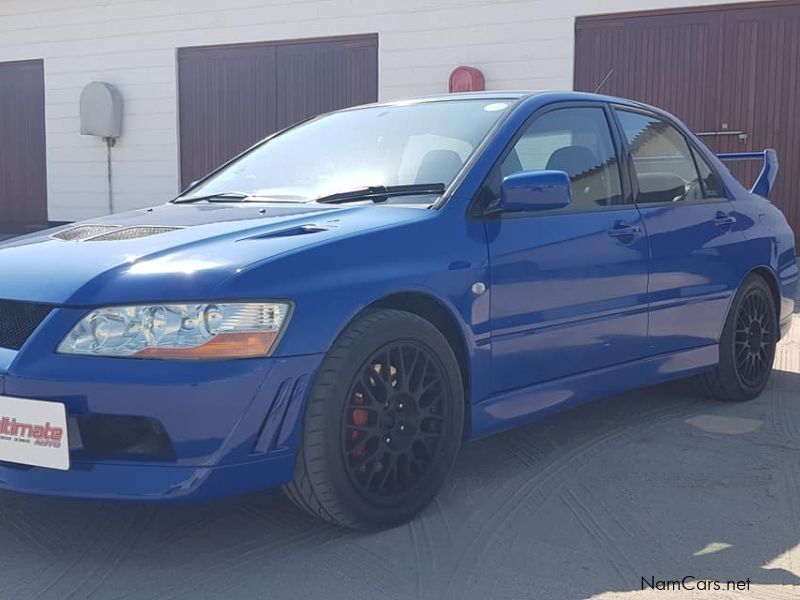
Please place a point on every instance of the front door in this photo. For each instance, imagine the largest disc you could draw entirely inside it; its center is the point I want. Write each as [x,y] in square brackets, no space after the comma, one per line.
[568,286]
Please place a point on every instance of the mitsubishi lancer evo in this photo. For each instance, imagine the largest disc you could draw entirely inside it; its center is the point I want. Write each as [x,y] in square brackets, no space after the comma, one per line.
[338,308]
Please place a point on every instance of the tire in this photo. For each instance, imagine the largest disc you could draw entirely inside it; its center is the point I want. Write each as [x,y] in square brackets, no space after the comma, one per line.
[383,424]
[746,347]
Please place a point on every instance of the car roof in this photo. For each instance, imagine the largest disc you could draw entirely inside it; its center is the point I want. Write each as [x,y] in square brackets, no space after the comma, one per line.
[554,95]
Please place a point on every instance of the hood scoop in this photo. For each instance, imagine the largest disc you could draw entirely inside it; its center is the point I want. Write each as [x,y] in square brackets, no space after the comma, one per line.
[292,231]
[110,233]
[81,232]
[132,233]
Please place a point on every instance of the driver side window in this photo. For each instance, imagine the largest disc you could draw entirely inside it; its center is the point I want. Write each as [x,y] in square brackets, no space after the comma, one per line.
[576,140]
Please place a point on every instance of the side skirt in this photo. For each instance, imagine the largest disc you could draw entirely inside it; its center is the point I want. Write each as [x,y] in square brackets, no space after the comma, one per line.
[509,409]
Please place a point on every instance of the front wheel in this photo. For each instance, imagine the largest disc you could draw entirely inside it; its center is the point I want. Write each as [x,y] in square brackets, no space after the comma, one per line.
[746,347]
[383,423]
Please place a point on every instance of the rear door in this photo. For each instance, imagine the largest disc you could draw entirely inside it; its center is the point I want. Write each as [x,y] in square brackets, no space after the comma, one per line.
[569,285]
[693,232]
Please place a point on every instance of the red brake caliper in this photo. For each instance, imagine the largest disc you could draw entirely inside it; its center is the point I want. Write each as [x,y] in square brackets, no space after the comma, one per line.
[360,418]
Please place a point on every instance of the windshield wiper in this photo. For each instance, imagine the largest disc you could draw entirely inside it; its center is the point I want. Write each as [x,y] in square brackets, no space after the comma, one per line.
[219,196]
[241,197]
[377,193]
[381,193]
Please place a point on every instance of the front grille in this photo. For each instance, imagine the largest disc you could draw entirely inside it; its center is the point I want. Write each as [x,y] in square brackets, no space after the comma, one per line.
[18,320]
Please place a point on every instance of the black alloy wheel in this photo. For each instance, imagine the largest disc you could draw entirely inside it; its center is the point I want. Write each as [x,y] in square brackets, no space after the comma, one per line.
[747,345]
[394,421]
[754,338]
[383,424]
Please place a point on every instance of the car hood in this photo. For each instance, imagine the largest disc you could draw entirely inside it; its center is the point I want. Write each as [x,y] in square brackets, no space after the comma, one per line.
[174,251]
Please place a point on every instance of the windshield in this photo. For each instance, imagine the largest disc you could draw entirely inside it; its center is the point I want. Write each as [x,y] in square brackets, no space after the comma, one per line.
[399,144]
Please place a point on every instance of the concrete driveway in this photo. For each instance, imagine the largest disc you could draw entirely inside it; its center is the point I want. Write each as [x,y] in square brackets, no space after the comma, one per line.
[653,484]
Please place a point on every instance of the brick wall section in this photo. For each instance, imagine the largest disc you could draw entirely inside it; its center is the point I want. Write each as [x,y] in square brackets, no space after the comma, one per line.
[132,44]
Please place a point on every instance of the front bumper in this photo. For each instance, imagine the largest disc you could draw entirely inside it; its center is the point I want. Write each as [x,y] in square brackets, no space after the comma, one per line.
[140,482]
[232,426]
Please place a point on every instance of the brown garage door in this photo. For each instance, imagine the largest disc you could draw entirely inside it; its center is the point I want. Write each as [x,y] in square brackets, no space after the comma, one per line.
[732,73]
[233,96]
[23,174]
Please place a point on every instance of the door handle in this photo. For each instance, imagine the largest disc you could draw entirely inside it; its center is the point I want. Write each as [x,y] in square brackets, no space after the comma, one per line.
[622,230]
[723,220]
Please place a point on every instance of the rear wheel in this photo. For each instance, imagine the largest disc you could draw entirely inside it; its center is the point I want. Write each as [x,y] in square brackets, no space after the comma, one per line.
[747,345]
[383,423]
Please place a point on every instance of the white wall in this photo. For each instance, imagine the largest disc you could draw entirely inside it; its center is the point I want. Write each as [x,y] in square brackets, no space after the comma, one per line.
[518,44]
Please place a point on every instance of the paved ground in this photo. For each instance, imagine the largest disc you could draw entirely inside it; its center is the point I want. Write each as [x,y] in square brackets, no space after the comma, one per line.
[657,483]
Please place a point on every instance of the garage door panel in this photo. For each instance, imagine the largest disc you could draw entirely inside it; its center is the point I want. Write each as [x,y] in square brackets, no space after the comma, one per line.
[669,61]
[721,70]
[234,96]
[23,175]
[325,76]
[738,84]
[761,93]
[227,103]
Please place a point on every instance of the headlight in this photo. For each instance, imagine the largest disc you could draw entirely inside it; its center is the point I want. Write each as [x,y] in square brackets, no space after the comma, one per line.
[225,330]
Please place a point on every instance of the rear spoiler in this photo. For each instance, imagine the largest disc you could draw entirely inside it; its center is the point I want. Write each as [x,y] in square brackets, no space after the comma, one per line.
[766,179]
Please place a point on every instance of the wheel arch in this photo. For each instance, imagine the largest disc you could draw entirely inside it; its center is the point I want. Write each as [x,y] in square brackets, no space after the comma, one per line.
[440,316]
[769,276]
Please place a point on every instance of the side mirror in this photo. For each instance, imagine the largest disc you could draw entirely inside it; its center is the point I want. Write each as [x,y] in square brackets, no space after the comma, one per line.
[532,191]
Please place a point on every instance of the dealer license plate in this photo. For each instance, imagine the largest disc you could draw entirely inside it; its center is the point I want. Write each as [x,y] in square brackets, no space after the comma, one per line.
[34,433]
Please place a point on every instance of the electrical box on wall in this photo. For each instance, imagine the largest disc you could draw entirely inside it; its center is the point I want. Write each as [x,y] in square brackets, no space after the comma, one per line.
[101,116]
[101,110]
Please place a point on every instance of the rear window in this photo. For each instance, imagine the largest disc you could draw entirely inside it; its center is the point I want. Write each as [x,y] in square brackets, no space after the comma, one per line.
[712,185]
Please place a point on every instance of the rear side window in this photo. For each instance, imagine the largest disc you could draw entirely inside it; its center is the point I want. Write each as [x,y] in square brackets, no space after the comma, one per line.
[662,160]
[575,140]
[712,185]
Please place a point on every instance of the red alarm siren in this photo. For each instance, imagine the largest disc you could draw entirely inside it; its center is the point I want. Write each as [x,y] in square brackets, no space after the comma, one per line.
[467,79]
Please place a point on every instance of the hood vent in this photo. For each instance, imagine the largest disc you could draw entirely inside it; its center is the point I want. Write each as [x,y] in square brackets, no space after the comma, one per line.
[292,231]
[81,232]
[109,233]
[131,233]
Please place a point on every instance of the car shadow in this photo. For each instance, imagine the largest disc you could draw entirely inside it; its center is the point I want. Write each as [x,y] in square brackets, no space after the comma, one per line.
[657,483]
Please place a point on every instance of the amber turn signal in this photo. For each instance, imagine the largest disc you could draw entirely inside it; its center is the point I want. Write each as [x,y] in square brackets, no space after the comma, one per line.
[224,345]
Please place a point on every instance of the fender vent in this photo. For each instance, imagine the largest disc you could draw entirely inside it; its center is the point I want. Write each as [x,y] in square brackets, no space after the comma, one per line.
[131,233]
[81,232]
[282,417]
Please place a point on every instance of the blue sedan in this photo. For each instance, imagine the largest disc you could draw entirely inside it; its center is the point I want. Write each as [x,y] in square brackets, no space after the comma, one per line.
[335,310]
